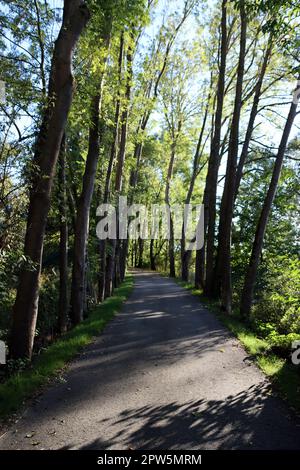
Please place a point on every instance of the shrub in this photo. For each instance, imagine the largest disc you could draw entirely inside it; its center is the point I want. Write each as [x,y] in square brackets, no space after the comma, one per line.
[277,306]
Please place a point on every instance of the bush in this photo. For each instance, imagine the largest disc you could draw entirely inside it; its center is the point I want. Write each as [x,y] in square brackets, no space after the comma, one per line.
[48,306]
[282,344]
[277,306]
[10,261]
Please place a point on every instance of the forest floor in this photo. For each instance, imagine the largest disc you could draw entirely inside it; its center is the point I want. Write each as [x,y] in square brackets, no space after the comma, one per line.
[164,374]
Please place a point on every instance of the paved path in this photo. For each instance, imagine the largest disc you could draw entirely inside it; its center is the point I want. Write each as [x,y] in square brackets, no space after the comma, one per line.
[165,374]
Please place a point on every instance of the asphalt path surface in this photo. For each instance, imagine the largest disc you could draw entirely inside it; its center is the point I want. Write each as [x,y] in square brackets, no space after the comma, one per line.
[164,374]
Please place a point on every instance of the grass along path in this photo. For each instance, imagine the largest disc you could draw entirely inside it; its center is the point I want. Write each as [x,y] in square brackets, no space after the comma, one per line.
[24,384]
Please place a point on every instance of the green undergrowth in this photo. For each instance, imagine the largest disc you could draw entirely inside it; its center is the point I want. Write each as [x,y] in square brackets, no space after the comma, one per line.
[48,363]
[284,375]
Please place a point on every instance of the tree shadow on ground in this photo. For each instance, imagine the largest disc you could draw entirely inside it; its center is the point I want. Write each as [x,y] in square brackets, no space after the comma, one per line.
[244,421]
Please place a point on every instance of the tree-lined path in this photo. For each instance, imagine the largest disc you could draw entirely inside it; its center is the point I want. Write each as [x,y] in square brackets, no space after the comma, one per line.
[165,374]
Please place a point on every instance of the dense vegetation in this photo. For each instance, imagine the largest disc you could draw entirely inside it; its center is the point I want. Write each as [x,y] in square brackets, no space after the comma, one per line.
[188,101]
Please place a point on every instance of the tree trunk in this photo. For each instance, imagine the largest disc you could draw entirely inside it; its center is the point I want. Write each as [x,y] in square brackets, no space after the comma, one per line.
[141,253]
[171,249]
[200,267]
[253,115]
[167,201]
[152,256]
[63,244]
[116,244]
[48,145]
[185,263]
[110,259]
[135,253]
[186,254]
[102,268]
[78,290]
[226,213]
[82,219]
[214,161]
[124,121]
[123,259]
[117,265]
[251,274]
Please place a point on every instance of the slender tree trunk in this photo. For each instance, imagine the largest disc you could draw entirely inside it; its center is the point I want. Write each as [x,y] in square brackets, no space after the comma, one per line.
[166,260]
[186,254]
[102,268]
[82,219]
[214,161]
[185,263]
[199,269]
[118,256]
[78,291]
[132,255]
[251,273]
[141,253]
[117,266]
[135,254]
[110,259]
[226,213]
[253,115]
[48,145]
[63,243]
[167,201]
[123,259]
[124,122]
[171,249]
[152,256]
[72,207]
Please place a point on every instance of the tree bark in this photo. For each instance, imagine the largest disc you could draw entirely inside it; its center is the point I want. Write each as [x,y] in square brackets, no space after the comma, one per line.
[123,259]
[82,218]
[224,246]
[251,273]
[120,249]
[48,145]
[141,253]
[78,290]
[167,201]
[199,269]
[101,274]
[172,271]
[152,256]
[63,243]
[186,254]
[124,122]
[185,263]
[110,258]
[253,115]
[214,161]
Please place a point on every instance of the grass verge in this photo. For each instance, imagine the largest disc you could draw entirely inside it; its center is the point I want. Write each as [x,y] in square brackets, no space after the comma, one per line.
[26,383]
[282,374]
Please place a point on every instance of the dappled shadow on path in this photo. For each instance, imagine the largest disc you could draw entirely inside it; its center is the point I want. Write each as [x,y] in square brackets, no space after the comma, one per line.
[146,336]
[165,374]
[244,421]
